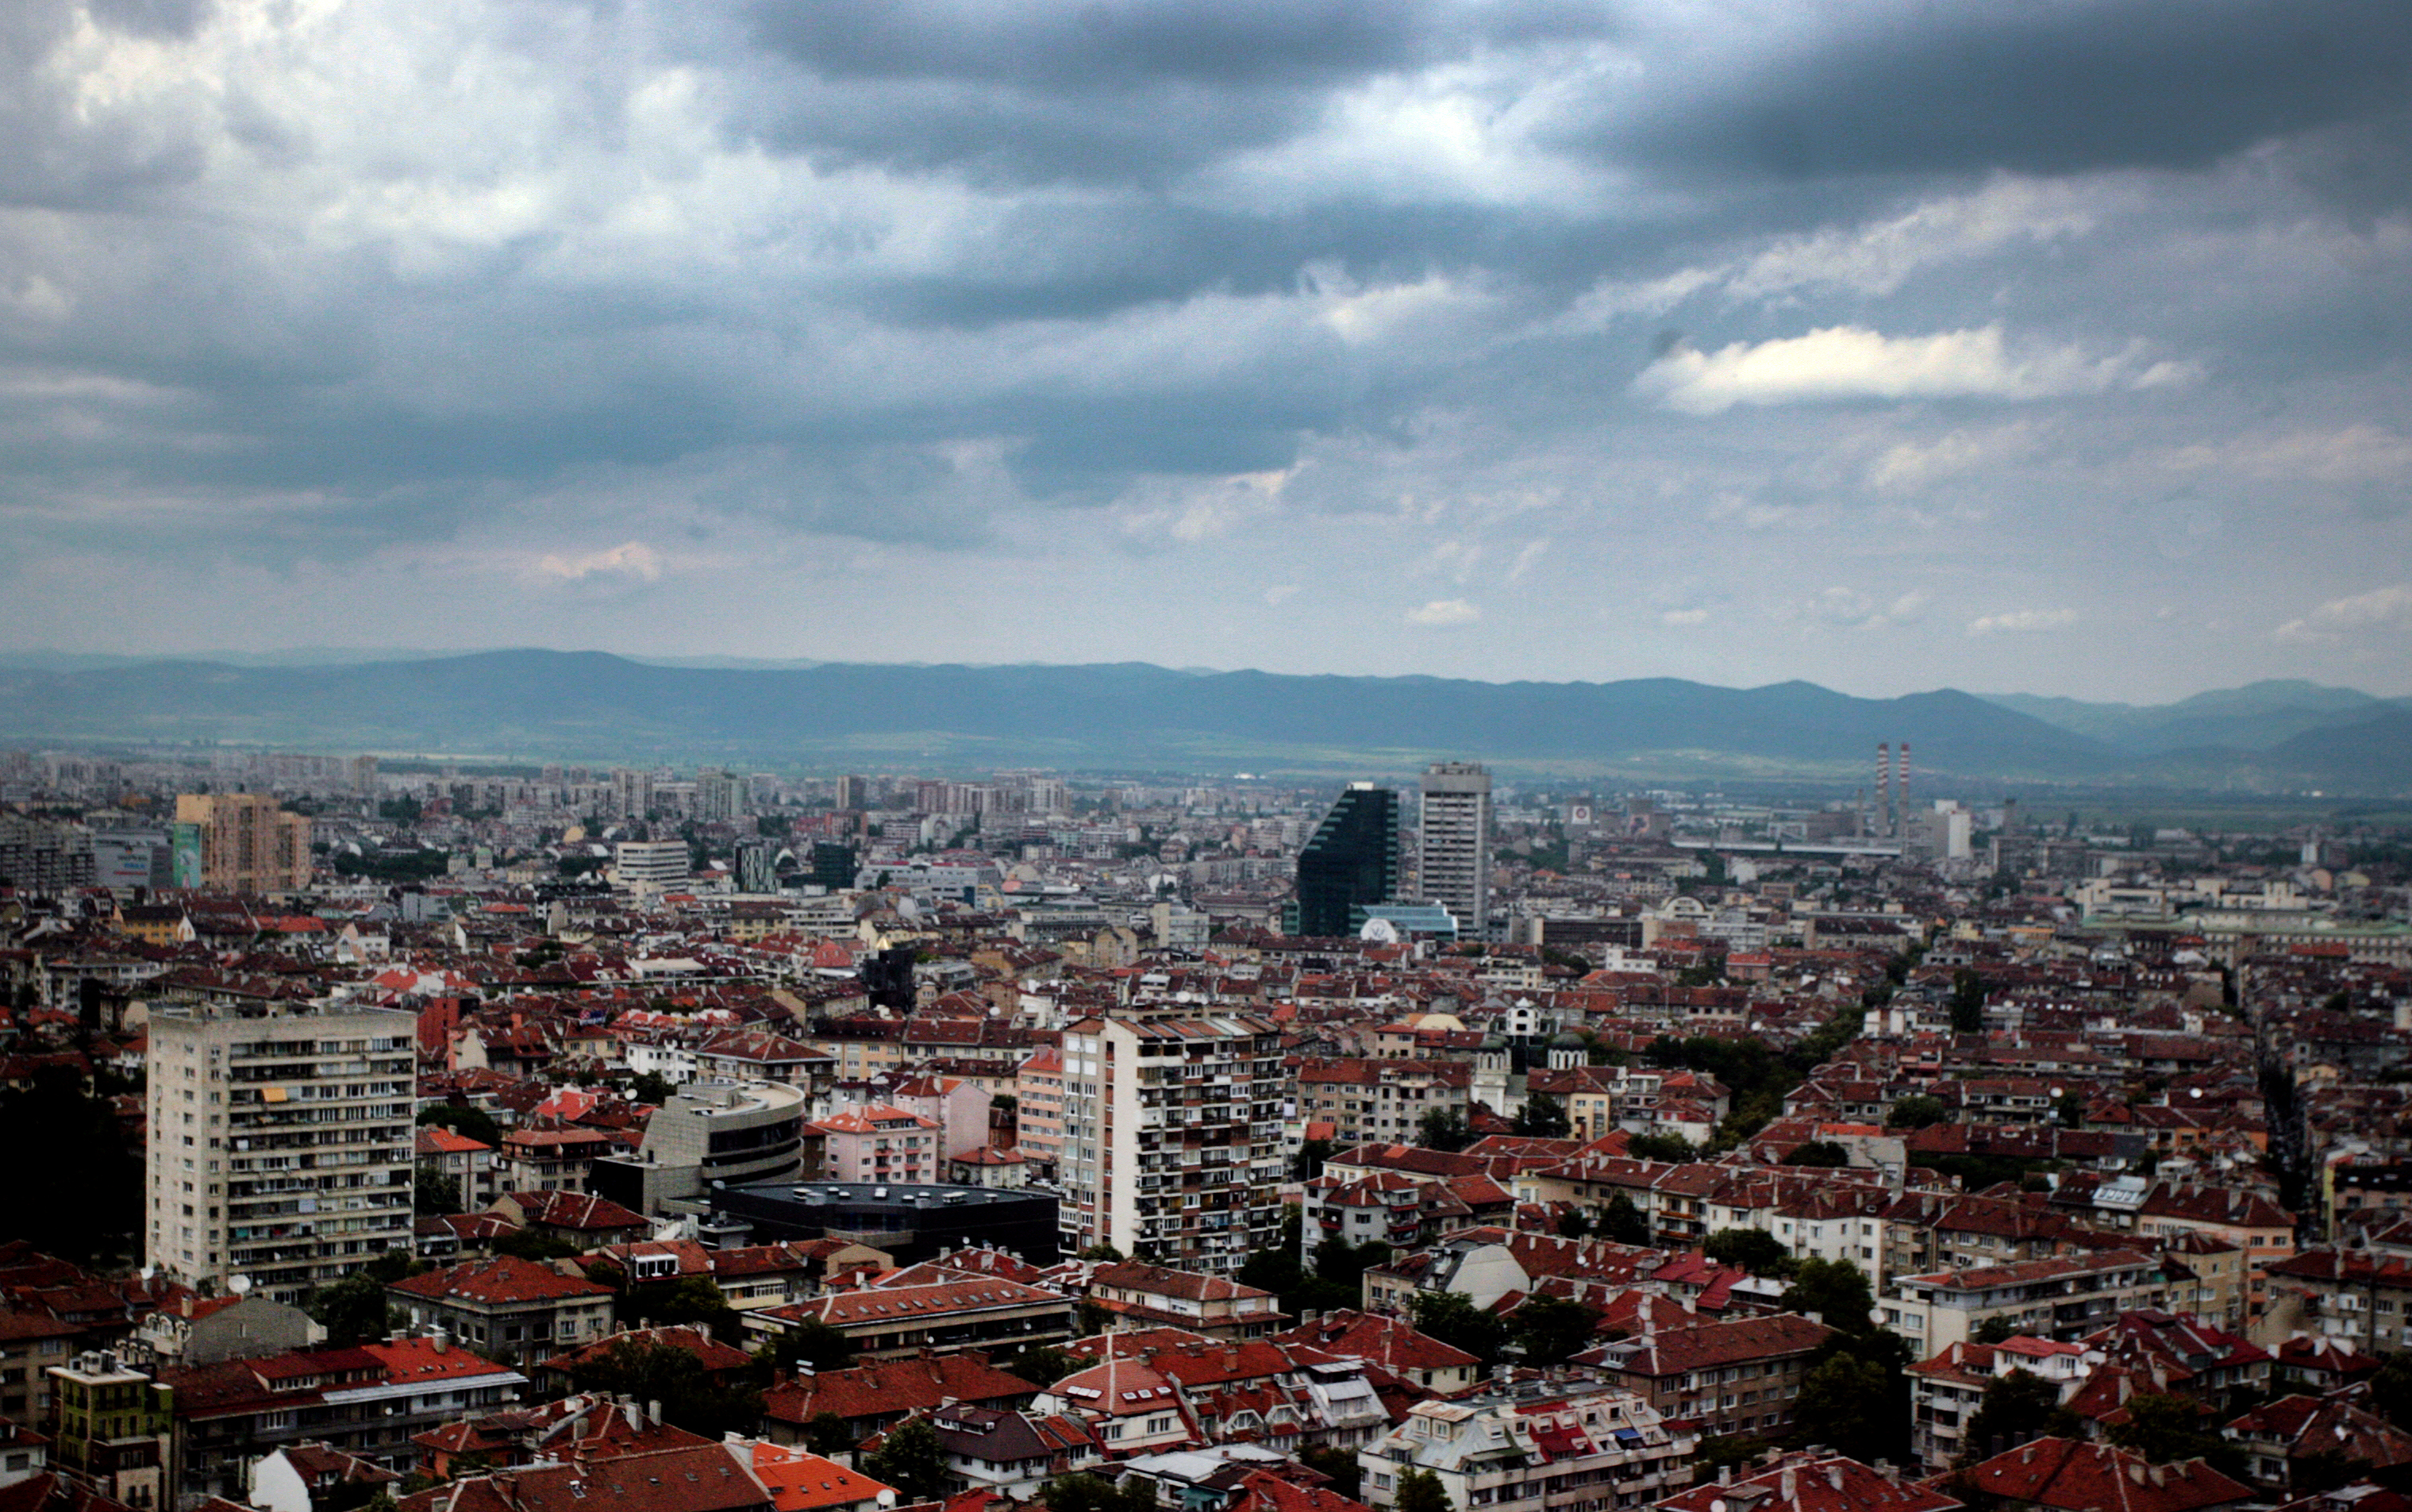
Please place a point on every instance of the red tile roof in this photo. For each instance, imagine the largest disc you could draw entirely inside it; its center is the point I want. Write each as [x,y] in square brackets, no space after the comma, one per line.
[500,1281]
[2096,1478]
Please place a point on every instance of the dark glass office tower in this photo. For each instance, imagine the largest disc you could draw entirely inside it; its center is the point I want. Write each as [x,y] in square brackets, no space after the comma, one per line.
[1352,860]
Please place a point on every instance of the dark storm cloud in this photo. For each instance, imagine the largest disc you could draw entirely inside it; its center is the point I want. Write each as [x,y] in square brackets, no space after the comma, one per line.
[2049,87]
[1118,93]
[630,292]
[1107,46]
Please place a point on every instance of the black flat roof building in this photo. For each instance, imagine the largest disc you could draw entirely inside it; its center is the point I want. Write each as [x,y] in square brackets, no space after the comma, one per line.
[910,1221]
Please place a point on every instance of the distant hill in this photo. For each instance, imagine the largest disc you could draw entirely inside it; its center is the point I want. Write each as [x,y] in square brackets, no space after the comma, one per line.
[601,707]
[2256,717]
[592,707]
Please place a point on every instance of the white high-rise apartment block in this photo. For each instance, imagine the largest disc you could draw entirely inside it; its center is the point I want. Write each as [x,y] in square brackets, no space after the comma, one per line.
[1454,864]
[1171,1148]
[650,863]
[280,1144]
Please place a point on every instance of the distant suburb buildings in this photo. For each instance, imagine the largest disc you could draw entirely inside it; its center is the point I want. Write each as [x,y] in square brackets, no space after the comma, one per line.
[243,842]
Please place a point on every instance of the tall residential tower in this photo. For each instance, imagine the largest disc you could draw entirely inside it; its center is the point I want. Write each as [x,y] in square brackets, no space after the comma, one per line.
[1456,856]
[280,1144]
[1171,1149]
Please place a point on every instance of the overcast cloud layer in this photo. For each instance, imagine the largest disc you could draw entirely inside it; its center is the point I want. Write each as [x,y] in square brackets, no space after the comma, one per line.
[2043,345]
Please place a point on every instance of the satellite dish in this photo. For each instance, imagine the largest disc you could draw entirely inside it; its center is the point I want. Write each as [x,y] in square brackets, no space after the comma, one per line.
[238,1285]
[148,1271]
[2194,1092]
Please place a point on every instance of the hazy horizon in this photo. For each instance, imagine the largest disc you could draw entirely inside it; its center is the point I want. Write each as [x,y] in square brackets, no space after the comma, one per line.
[352,655]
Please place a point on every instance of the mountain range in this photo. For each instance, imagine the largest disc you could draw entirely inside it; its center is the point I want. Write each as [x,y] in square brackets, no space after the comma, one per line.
[590,706]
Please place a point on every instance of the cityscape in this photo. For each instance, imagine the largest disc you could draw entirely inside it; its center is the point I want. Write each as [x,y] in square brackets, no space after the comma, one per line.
[396,1130]
[1205,756]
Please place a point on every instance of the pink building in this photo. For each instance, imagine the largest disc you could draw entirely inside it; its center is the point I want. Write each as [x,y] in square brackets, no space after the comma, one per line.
[881,1143]
[1038,1088]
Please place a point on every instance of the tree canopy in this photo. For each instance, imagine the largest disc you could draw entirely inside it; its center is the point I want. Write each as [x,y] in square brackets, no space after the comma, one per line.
[644,1370]
[1442,1129]
[1754,1250]
[1836,1290]
[911,1459]
[1551,1329]
[1916,1113]
[1452,1319]
[1542,1117]
[2019,1407]
[467,1122]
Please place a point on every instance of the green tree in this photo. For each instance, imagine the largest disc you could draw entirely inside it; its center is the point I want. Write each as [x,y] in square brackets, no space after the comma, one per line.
[81,1199]
[1543,1118]
[1995,1331]
[2018,1406]
[1310,1156]
[1837,1407]
[1452,1319]
[648,1372]
[1819,1152]
[1967,1002]
[1042,1366]
[1276,1268]
[652,1087]
[1754,1250]
[910,1460]
[827,1433]
[467,1122]
[432,1192]
[1102,1251]
[2391,1390]
[1420,1491]
[1672,1148]
[1444,1129]
[1622,1223]
[813,1343]
[1344,1264]
[2165,1428]
[1717,1453]
[1340,1464]
[1916,1113]
[1552,1330]
[1835,1290]
[1087,1493]
[1574,1223]
[353,1311]
[527,1244]
[670,1303]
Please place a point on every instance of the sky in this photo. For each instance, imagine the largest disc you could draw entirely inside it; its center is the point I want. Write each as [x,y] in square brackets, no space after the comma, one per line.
[2050,347]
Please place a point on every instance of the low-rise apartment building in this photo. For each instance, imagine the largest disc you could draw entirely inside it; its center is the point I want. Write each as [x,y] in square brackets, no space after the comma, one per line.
[891,1322]
[1946,1391]
[1575,1444]
[1151,1296]
[2064,1298]
[506,1308]
[1740,1376]
[1386,1100]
